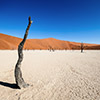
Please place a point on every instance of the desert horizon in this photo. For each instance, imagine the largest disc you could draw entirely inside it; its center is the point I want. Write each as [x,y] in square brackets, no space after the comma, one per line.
[10,43]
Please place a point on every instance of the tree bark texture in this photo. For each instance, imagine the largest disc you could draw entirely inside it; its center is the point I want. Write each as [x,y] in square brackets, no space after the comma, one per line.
[18,74]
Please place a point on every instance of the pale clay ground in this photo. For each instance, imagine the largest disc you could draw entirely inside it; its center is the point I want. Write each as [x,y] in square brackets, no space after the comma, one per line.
[59,75]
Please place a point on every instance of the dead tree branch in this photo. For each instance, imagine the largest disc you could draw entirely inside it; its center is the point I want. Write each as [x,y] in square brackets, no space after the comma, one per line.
[82,47]
[18,74]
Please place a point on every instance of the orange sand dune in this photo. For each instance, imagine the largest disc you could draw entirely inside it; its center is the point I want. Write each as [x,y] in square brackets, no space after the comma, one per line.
[10,43]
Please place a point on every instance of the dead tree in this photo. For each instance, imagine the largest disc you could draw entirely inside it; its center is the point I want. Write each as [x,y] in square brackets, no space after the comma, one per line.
[18,74]
[82,47]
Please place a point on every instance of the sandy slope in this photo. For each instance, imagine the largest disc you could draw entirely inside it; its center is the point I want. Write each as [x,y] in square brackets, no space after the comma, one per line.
[10,43]
[59,75]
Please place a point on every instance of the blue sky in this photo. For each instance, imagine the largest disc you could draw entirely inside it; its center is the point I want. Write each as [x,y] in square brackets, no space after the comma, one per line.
[72,20]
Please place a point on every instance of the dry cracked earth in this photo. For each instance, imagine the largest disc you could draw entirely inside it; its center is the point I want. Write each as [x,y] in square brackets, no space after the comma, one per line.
[58,75]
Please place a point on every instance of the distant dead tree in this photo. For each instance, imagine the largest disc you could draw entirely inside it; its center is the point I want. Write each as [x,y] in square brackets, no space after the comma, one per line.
[53,49]
[82,47]
[50,48]
[18,74]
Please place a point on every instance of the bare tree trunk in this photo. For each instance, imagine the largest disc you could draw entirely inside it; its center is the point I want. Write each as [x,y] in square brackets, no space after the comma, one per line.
[82,47]
[18,74]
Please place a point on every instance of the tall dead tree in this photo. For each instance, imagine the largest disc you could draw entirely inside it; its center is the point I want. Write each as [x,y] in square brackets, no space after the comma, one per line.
[18,74]
[82,47]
